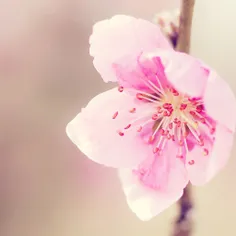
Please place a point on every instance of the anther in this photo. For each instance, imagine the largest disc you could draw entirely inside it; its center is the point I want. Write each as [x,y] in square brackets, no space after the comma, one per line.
[183,106]
[212,130]
[191,162]
[154,117]
[133,110]
[201,142]
[175,120]
[139,129]
[199,108]
[203,120]
[150,140]
[167,105]
[165,113]
[162,131]
[155,150]
[205,152]
[128,126]
[120,88]
[120,133]
[139,96]
[181,142]
[180,156]
[175,93]
[115,115]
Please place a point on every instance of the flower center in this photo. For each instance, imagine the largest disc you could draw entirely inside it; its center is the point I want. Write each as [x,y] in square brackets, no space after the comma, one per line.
[175,117]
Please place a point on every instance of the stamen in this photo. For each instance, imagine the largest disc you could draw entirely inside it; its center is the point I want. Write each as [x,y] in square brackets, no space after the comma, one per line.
[141,96]
[194,133]
[144,124]
[120,89]
[133,110]
[155,150]
[192,162]
[199,108]
[128,126]
[167,105]
[174,116]
[160,145]
[205,121]
[212,130]
[139,129]
[156,88]
[183,106]
[159,83]
[158,127]
[115,115]
[150,85]
[205,152]
[120,133]
[155,96]
[180,153]
[174,92]
[151,139]
[155,116]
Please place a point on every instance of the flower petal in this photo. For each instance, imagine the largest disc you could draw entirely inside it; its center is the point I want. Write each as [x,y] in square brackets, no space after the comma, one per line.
[156,183]
[119,36]
[95,132]
[183,71]
[143,201]
[205,167]
[220,101]
[140,73]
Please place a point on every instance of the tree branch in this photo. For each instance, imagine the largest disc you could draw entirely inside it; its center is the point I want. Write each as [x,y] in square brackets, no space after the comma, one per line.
[186,14]
[184,223]
[180,36]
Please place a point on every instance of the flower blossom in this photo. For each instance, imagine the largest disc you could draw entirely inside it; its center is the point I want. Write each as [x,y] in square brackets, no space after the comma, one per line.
[169,121]
[169,24]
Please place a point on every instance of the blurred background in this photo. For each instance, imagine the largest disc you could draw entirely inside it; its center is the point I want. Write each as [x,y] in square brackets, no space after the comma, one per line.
[47,187]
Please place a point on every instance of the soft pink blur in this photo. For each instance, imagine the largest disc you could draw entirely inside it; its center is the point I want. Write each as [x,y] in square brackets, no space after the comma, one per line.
[46,186]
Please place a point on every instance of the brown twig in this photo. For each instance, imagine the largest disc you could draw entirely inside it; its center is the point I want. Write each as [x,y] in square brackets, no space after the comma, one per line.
[184,224]
[186,14]
[180,38]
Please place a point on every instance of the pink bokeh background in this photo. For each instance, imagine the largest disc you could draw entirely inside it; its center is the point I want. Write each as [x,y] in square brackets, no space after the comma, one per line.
[47,187]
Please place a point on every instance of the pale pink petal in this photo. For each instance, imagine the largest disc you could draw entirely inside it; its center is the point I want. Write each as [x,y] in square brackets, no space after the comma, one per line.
[163,170]
[143,201]
[220,101]
[119,36]
[95,132]
[183,71]
[140,73]
[205,167]
[156,183]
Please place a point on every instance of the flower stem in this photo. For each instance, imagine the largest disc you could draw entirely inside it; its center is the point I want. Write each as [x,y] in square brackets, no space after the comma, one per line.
[184,224]
[186,15]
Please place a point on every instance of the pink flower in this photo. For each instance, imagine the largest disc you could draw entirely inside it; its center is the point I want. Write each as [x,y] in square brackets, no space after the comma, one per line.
[169,24]
[170,121]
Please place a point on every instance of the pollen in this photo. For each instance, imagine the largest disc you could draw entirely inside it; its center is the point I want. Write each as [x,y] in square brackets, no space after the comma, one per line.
[170,117]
